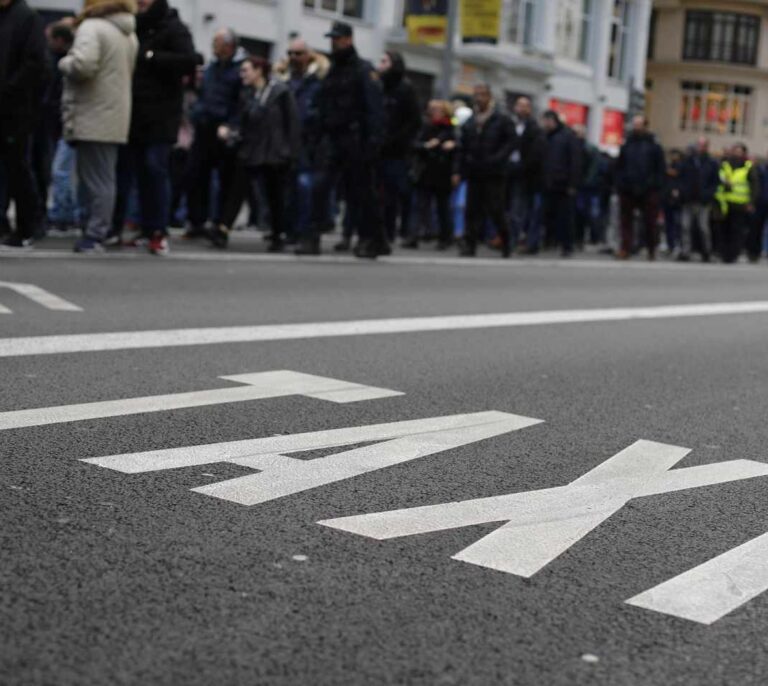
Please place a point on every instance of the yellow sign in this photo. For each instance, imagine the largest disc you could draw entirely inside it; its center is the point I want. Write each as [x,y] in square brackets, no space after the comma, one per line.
[426,29]
[426,21]
[480,21]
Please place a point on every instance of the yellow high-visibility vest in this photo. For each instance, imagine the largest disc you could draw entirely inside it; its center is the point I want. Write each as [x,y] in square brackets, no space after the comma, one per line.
[740,192]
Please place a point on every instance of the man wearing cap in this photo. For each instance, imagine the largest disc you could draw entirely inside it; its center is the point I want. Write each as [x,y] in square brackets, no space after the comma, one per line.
[350,121]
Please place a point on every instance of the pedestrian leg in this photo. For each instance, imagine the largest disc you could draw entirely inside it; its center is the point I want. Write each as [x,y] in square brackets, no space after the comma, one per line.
[97,172]
[494,203]
[628,204]
[21,186]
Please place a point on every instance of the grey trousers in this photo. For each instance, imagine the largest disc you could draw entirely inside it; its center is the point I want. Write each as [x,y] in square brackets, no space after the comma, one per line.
[97,175]
[701,213]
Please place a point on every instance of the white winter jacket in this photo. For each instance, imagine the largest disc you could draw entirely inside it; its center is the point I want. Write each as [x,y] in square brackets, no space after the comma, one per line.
[98,71]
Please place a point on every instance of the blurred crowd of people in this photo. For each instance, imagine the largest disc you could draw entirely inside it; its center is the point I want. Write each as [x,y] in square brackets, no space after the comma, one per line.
[111,124]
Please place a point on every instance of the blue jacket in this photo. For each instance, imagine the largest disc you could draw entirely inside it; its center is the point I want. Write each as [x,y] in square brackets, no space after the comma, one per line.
[699,179]
[219,95]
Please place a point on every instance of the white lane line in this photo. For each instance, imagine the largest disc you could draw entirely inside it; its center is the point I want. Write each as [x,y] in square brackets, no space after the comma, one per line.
[714,589]
[5,310]
[41,296]
[258,386]
[497,262]
[168,338]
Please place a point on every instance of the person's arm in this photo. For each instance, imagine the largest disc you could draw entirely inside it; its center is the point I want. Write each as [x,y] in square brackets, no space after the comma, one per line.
[177,57]
[34,67]
[576,165]
[506,142]
[84,59]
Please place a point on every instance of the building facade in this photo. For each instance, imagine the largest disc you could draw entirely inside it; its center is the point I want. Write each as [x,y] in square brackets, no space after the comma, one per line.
[577,56]
[708,73]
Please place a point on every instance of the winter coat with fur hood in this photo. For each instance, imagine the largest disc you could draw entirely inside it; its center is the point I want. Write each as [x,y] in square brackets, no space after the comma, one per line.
[98,71]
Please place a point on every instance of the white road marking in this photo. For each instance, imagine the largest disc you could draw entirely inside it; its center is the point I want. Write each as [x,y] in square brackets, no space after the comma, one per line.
[281,475]
[5,310]
[258,386]
[41,296]
[543,524]
[714,589]
[133,340]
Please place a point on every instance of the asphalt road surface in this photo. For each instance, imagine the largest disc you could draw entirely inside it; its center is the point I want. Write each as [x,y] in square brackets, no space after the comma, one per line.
[576,522]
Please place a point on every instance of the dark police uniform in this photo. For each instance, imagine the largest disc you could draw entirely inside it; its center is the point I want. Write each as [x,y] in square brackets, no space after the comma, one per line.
[350,118]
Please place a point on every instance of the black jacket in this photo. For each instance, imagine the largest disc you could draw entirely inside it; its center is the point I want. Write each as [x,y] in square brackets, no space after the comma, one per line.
[699,179]
[433,167]
[525,159]
[166,55]
[641,167]
[24,69]
[350,103]
[270,133]
[485,150]
[219,95]
[402,114]
[562,165]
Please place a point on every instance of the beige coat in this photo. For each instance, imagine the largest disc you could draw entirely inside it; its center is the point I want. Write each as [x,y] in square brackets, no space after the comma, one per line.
[98,71]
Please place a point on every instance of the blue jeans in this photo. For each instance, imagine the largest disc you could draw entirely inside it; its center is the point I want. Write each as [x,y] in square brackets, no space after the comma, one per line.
[65,208]
[589,215]
[525,216]
[300,191]
[148,166]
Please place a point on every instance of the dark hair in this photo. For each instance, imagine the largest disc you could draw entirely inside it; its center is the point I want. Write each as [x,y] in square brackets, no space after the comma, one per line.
[261,63]
[62,32]
[743,147]
[551,114]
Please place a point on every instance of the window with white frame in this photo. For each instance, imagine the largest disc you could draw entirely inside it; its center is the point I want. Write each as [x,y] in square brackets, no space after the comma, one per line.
[520,21]
[617,58]
[715,108]
[354,9]
[573,28]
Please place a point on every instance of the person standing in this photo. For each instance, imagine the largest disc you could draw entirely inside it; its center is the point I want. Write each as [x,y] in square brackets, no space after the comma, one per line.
[402,121]
[486,144]
[96,106]
[306,70]
[699,180]
[738,192]
[217,105]
[562,174]
[64,212]
[166,55]
[23,75]
[268,139]
[640,173]
[525,178]
[350,125]
[588,213]
[433,166]
[672,203]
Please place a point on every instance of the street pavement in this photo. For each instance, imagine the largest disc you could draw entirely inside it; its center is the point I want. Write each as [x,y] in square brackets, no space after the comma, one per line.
[115,571]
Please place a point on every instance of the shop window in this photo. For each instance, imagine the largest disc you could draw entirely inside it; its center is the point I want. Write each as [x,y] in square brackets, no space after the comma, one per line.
[721,37]
[715,108]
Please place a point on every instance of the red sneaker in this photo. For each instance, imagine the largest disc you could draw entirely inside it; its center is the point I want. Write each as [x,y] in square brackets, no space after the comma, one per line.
[158,245]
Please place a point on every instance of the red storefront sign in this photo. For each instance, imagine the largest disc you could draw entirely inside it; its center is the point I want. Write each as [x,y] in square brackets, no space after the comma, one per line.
[573,113]
[613,128]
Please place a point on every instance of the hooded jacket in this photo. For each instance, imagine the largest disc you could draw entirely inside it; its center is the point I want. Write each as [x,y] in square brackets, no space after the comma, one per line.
[402,114]
[96,105]
[166,55]
[24,68]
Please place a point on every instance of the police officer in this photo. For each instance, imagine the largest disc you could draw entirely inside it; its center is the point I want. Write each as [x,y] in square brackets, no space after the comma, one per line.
[350,121]
[740,187]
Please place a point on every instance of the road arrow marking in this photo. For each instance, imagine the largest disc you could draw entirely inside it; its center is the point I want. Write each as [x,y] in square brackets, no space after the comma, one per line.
[40,296]
[257,386]
[541,525]
[280,475]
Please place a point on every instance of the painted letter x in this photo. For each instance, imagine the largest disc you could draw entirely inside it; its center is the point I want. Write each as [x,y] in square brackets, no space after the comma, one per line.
[541,525]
